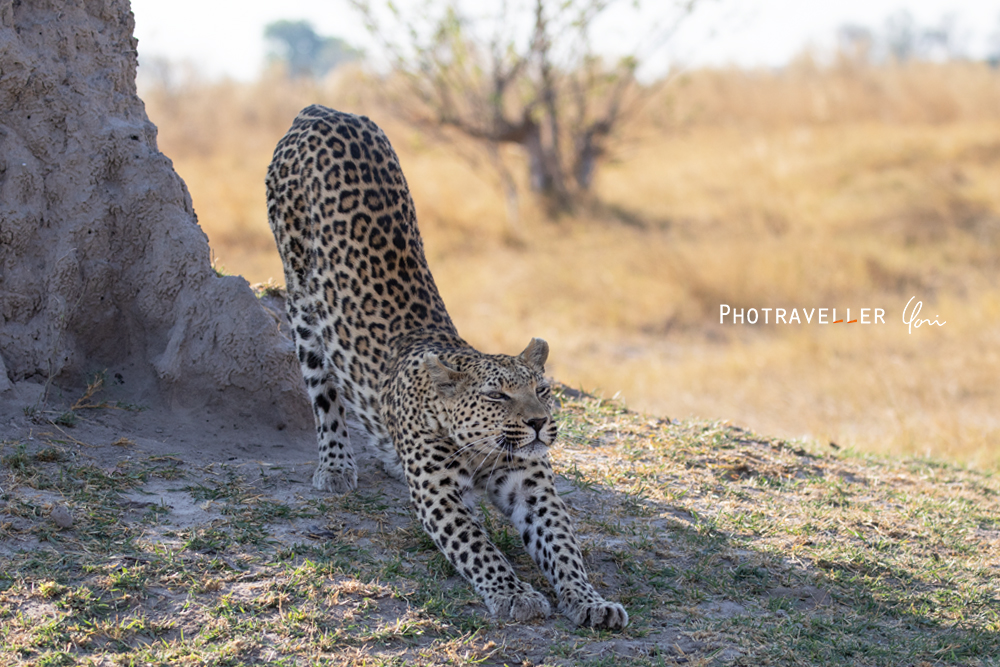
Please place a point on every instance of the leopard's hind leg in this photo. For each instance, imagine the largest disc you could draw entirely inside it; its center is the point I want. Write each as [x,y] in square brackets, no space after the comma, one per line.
[309,303]
[336,470]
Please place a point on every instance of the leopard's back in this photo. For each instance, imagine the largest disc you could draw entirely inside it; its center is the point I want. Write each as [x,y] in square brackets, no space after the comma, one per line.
[344,222]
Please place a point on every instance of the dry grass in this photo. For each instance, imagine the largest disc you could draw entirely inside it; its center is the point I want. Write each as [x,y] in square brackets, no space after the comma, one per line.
[845,187]
[846,92]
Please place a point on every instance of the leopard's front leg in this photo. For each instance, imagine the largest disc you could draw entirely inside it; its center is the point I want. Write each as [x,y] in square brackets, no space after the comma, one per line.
[526,493]
[463,541]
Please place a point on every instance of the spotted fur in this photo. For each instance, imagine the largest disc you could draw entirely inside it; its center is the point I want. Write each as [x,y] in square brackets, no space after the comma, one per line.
[375,341]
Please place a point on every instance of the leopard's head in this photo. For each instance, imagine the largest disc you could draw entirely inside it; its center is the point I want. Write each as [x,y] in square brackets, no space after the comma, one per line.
[496,401]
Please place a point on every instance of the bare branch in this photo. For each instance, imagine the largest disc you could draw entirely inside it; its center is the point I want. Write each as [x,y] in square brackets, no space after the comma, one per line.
[533,81]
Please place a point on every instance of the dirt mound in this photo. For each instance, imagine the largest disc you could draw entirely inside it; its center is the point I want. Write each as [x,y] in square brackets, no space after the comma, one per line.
[103,266]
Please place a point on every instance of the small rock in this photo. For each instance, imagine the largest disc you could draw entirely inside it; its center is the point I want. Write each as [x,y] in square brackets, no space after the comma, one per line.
[62,517]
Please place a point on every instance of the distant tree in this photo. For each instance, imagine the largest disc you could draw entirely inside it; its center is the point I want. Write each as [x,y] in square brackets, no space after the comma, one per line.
[902,39]
[524,73]
[901,35]
[942,40]
[856,42]
[906,40]
[306,53]
[993,55]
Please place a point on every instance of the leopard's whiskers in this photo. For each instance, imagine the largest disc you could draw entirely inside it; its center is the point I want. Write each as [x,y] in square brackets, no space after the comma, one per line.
[498,447]
[466,447]
[476,471]
[493,470]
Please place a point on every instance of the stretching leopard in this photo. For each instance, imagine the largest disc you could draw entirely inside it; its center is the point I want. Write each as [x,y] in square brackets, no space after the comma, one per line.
[375,341]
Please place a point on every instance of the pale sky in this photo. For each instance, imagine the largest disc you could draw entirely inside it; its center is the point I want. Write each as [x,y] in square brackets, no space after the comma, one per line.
[225,37]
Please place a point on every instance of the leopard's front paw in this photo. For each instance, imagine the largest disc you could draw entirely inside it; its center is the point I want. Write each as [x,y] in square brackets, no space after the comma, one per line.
[335,481]
[521,606]
[596,613]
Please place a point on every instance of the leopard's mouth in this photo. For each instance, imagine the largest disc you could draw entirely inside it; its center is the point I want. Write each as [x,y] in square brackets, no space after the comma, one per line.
[536,445]
[523,446]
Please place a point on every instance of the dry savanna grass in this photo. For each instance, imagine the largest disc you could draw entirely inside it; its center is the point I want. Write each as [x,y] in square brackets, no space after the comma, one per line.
[726,547]
[841,187]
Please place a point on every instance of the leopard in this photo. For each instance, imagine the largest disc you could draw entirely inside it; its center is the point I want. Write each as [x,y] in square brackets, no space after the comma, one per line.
[378,349]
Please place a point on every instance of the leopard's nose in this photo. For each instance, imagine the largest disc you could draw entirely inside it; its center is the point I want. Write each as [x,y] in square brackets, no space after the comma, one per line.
[537,423]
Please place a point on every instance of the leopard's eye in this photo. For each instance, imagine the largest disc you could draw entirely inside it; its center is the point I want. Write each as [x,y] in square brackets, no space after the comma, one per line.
[496,395]
[541,390]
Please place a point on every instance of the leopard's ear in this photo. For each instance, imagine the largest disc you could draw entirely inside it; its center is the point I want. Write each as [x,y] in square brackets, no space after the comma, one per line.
[447,380]
[535,354]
